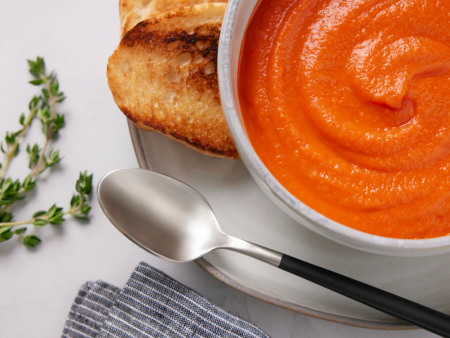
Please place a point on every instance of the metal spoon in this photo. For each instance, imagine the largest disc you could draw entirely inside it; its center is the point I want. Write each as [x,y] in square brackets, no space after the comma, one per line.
[173,221]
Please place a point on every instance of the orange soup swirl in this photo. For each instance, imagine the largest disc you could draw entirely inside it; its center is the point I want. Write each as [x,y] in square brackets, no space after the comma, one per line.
[347,103]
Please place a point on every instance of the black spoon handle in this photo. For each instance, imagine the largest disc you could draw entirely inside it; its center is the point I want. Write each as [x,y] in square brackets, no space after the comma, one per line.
[393,305]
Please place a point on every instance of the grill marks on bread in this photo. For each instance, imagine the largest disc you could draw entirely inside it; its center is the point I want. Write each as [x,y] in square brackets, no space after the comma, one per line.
[197,51]
[163,77]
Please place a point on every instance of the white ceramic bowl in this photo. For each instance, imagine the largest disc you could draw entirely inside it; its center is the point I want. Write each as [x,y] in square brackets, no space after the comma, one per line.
[234,24]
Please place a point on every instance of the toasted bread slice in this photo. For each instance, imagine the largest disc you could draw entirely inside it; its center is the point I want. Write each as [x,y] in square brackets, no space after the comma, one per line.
[134,11]
[163,77]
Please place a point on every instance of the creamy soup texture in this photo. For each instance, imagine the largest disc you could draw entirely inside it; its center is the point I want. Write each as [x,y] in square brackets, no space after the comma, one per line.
[347,103]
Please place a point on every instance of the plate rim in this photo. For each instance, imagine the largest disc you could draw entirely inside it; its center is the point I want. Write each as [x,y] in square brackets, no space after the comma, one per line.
[255,293]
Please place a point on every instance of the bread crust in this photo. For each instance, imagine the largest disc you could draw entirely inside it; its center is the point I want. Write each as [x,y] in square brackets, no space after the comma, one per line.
[163,77]
[134,11]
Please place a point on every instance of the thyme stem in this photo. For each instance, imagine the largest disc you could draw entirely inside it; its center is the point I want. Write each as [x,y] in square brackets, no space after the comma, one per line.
[51,102]
[74,210]
[10,153]
[13,224]
[36,169]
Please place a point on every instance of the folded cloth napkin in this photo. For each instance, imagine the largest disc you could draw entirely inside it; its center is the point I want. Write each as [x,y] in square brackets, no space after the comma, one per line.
[151,305]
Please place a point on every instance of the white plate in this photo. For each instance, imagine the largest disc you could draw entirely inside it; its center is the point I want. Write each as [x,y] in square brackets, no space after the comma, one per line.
[245,212]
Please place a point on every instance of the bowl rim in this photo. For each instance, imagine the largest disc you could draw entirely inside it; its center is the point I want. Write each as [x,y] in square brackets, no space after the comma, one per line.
[245,148]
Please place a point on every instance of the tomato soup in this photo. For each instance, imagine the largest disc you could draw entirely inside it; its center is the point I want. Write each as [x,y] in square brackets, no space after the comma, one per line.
[347,103]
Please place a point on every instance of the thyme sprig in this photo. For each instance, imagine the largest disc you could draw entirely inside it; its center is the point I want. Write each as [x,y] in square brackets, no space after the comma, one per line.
[51,121]
[12,139]
[79,208]
[42,107]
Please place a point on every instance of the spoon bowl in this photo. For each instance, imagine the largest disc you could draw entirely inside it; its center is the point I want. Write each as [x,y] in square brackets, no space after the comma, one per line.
[162,215]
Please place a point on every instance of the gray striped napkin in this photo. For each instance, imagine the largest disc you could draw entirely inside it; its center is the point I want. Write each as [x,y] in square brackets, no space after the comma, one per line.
[151,305]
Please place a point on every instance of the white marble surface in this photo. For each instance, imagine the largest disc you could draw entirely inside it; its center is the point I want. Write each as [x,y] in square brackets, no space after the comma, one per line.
[37,286]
